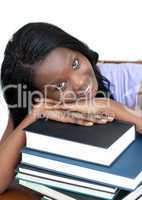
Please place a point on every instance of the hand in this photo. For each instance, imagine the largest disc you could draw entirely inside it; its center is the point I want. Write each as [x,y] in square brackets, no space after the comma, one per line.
[47,108]
[139,126]
[102,105]
[97,106]
[40,110]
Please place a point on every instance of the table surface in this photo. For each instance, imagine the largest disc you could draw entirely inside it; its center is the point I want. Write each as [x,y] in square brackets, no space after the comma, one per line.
[17,192]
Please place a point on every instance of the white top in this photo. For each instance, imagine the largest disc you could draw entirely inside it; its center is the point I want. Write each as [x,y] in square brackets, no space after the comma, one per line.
[126,80]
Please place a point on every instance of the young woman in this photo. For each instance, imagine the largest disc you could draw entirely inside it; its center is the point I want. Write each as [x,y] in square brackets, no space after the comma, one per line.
[42,62]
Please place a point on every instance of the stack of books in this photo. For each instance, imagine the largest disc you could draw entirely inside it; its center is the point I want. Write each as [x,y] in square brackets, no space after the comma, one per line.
[69,161]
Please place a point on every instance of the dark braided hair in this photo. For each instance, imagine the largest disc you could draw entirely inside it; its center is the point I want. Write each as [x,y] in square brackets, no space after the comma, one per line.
[28,46]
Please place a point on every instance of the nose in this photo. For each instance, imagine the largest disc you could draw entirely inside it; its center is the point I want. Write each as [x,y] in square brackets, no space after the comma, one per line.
[74,91]
[78,82]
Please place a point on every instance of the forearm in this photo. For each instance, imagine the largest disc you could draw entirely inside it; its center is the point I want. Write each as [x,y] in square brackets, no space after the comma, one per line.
[9,157]
[136,116]
[10,153]
[130,115]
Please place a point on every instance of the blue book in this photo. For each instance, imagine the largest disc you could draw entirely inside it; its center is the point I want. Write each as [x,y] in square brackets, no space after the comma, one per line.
[125,172]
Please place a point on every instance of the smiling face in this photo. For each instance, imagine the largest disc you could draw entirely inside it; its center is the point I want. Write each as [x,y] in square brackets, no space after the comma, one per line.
[66,74]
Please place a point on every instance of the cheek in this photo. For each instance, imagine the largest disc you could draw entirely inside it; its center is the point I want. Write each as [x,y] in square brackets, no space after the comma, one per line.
[52,94]
[95,83]
[91,74]
[94,79]
[69,96]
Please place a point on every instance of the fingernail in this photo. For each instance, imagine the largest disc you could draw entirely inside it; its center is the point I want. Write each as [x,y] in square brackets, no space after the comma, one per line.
[110,118]
[89,123]
[103,120]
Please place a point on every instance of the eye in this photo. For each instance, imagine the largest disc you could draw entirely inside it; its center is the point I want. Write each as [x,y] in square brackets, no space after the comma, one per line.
[76,64]
[61,86]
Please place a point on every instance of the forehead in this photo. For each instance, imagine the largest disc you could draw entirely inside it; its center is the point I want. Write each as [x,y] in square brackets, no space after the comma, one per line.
[58,56]
[55,66]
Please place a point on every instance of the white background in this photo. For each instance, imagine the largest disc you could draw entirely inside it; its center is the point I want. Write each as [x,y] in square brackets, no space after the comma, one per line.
[113,28]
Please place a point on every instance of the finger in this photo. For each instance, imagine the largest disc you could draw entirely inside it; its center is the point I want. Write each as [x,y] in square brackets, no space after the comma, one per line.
[82,119]
[63,116]
[111,117]
[82,106]
[71,107]
[100,118]
[79,118]
[53,101]
[46,106]
[102,121]
[82,116]
[102,102]
[47,100]
[95,118]
[108,116]
[79,121]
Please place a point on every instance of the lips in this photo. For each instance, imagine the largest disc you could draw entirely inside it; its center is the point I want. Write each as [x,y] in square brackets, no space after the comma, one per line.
[87,93]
